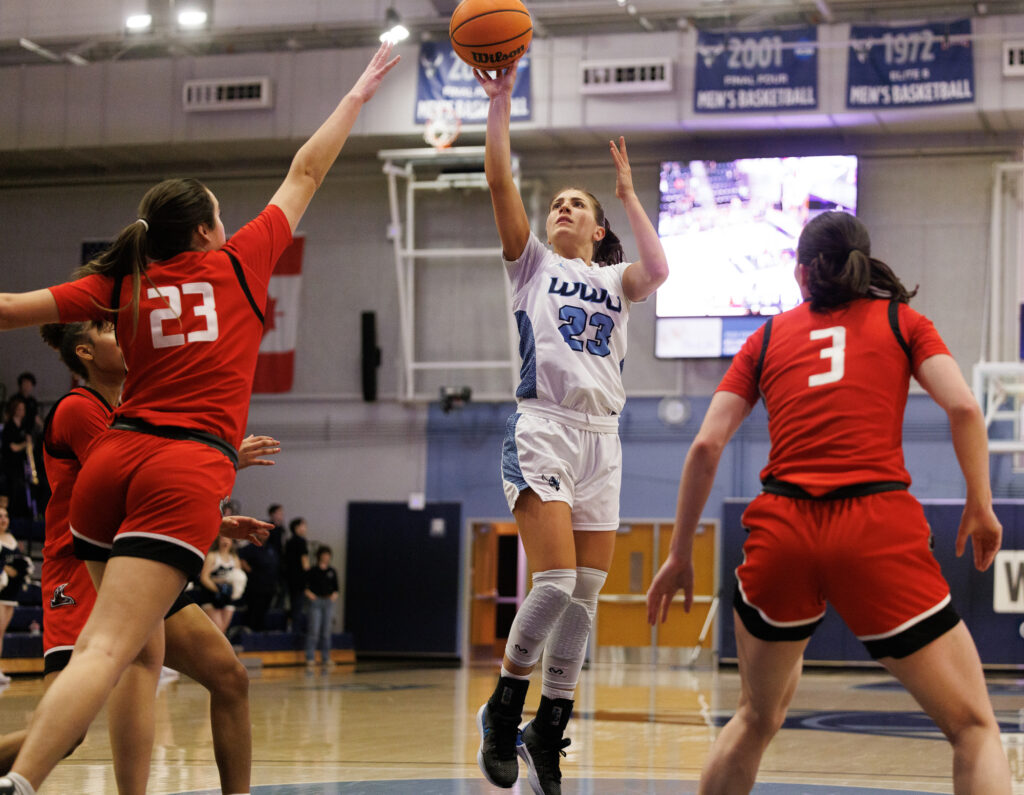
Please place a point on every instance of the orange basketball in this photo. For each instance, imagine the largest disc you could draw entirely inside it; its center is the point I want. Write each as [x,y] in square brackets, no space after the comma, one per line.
[490,34]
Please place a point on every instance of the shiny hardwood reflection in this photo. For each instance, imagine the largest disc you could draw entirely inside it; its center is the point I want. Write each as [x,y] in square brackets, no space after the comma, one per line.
[651,726]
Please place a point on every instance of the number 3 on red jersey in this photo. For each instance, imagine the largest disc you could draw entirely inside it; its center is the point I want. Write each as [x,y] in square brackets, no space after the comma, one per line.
[207,309]
[835,353]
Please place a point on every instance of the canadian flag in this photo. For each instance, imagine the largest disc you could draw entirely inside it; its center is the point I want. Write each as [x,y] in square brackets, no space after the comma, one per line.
[275,366]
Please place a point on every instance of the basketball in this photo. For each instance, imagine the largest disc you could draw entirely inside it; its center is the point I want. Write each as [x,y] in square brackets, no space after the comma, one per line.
[490,34]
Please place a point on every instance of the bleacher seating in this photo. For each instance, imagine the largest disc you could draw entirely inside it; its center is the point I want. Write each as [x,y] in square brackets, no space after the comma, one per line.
[275,646]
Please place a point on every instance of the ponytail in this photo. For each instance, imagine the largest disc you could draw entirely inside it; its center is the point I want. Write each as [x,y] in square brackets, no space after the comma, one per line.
[167,218]
[835,250]
[608,250]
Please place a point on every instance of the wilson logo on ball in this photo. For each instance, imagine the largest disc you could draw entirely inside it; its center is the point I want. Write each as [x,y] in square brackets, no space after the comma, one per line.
[494,58]
[490,33]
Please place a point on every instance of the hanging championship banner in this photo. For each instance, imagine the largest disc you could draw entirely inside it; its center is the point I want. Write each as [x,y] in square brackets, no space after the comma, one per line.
[768,71]
[445,84]
[927,64]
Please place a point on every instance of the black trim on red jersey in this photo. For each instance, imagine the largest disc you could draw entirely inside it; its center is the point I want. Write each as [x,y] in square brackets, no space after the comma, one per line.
[157,549]
[245,285]
[56,661]
[177,433]
[762,630]
[894,323]
[63,452]
[764,352]
[916,637]
[772,485]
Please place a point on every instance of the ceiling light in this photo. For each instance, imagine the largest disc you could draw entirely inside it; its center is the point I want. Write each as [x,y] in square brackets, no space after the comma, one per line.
[394,30]
[192,18]
[76,59]
[138,22]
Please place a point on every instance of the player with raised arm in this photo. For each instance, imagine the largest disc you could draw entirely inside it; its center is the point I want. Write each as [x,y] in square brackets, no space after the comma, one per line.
[194,646]
[189,308]
[561,460]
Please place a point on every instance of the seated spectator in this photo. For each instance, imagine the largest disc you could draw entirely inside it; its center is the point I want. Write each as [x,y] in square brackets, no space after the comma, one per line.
[322,592]
[221,583]
[14,570]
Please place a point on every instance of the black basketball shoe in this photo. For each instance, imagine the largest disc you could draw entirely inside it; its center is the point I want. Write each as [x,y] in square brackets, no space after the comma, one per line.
[541,756]
[499,738]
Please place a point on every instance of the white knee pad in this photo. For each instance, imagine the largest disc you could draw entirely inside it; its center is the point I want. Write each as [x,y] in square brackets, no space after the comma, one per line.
[540,611]
[566,649]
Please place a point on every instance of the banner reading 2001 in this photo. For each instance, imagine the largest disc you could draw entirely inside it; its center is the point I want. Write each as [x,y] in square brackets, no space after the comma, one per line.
[445,82]
[927,64]
[766,71]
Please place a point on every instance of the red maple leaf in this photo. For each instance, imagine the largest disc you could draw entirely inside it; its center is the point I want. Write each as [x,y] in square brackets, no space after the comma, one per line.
[270,315]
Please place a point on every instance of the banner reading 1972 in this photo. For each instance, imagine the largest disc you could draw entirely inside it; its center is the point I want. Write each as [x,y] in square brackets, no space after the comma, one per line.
[766,71]
[927,64]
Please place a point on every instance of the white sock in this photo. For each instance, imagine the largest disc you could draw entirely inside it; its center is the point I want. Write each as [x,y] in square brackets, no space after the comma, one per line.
[21,785]
[510,675]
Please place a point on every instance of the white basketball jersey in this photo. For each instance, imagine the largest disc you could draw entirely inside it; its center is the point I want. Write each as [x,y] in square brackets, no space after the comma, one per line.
[572,330]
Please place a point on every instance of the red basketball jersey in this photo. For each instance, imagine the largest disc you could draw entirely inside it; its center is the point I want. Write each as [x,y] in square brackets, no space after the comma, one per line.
[74,422]
[835,385]
[192,357]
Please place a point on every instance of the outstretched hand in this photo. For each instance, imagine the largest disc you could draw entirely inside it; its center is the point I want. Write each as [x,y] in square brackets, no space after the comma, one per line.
[369,81]
[674,574]
[253,447]
[623,174]
[245,528]
[979,523]
[501,82]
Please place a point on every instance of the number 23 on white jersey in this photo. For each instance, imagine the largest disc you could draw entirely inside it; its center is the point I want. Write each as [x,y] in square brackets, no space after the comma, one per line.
[834,353]
[207,309]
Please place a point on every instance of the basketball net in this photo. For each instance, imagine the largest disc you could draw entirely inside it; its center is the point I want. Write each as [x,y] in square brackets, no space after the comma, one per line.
[442,128]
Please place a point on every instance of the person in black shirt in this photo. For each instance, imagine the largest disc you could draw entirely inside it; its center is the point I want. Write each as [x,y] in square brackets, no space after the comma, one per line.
[322,592]
[15,449]
[296,564]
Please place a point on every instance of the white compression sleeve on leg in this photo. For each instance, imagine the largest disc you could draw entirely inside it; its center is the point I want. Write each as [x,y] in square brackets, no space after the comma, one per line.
[567,646]
[537,616]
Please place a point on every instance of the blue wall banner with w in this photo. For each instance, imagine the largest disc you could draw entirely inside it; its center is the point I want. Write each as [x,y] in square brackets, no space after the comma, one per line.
[904,66]
[766,71]
[446,84]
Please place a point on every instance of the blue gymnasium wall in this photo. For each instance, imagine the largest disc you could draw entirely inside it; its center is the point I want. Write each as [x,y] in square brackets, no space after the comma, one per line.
[463,449]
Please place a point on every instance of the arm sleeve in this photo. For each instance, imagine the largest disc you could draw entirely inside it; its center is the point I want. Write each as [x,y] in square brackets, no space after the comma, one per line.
[259,244]
[921,336]
[520,271]
[84,299]
[740,377]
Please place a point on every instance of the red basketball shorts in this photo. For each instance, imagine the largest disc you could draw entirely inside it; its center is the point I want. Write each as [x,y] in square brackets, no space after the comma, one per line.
[145,496]
[870,557]
[68,597]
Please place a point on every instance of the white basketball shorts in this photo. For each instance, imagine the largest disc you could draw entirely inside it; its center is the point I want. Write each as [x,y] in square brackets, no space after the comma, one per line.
[568,456]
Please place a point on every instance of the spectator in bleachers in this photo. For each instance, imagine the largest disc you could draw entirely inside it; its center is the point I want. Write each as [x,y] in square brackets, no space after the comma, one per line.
[262,566]
[275,514]
[296,564]
[16,447]
[26,388]
[14,568]
[222,583]
[322,592]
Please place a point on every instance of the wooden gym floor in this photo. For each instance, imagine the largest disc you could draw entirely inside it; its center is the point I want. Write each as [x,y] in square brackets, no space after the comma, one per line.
[400,729]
